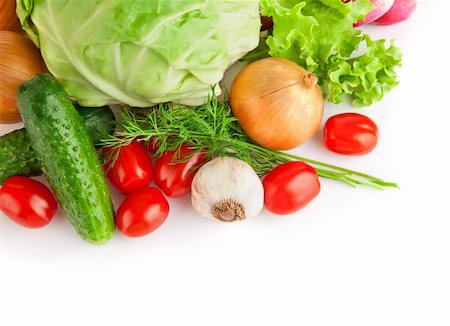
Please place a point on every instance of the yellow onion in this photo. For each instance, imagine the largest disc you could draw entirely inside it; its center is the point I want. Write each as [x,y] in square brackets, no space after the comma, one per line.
[8,16]
[19,61]
[277,103]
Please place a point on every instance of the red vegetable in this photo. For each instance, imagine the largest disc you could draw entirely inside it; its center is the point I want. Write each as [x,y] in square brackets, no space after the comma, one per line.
[289,187]
[142,212]
[379,9]
[400,11]
[151,146]
[176,179]
[27,202]
[132,169]
[350,133]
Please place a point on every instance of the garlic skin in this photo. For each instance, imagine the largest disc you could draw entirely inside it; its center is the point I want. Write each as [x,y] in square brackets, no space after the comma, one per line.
[227,189]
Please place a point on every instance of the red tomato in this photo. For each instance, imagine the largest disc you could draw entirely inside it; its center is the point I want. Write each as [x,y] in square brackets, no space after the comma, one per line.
[350,133]
[176,179]
[142,212]
[152,146]
[289,187]
[132,169]
[27,202]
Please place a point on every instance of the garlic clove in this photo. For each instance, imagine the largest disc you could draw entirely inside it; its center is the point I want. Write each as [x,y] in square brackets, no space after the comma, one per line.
[227,189]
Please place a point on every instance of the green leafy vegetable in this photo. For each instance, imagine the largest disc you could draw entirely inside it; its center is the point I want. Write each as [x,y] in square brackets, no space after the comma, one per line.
[213,128]
[319,35]
[140,52]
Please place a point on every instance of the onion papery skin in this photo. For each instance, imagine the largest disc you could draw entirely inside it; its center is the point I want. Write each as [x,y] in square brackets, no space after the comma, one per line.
[278,104]
[19,61]
[8,17]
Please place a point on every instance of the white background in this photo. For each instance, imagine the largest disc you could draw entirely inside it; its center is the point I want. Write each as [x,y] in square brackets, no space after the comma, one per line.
[352,257]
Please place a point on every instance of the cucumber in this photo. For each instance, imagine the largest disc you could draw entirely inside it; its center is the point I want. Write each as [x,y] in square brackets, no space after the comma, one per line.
[99,121]
[16,153]
[17,156]
[68,157]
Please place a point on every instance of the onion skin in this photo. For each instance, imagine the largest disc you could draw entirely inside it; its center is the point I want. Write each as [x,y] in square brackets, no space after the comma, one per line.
[278,104]
[8,16]
[19,61]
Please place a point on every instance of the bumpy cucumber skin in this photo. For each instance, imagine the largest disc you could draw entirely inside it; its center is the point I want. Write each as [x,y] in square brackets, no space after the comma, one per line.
[67,156]
[17,156]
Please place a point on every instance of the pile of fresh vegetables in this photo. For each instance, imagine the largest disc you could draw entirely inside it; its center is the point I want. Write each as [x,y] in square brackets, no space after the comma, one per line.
[158,65]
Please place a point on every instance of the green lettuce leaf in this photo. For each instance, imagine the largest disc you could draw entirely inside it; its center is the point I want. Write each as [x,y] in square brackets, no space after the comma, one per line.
[319,35]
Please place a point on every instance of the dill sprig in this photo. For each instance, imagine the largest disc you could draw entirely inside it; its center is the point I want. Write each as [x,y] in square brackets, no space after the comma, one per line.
[212,129]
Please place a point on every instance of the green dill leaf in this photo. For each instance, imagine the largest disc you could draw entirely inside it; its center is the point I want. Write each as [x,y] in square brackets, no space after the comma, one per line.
[212,129]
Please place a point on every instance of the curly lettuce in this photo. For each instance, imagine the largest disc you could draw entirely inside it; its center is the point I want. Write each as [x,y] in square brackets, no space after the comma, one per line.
[319,35]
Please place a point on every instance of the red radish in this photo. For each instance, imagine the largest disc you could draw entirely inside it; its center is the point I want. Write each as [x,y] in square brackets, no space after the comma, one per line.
[379,9]
[400,11]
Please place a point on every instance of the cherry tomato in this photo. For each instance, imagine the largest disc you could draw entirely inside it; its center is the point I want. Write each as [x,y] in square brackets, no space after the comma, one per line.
[142,212]
[152,146]
[175,179]
[132,169]
[350,133]
[289,187]
[27,202]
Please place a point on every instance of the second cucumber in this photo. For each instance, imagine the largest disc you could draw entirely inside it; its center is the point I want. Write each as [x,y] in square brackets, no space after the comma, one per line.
[17,156]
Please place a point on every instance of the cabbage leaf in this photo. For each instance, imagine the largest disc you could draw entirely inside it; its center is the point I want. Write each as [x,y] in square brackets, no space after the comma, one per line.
[140,52]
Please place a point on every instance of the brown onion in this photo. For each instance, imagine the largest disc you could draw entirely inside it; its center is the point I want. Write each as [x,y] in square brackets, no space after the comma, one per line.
[277,103]
[8,16]
[19,61]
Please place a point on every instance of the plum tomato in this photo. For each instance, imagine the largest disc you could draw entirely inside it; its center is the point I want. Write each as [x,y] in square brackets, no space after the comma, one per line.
[142,212]
[27,202]
[289,187]
[132,168]
[151,146]
[175,178]
[350,134]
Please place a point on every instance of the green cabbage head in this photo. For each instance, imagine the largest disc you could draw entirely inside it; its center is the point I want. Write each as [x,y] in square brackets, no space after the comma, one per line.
[140,52]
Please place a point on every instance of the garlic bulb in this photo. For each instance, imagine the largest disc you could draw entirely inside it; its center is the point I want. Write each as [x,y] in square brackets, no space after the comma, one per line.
[227,189]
